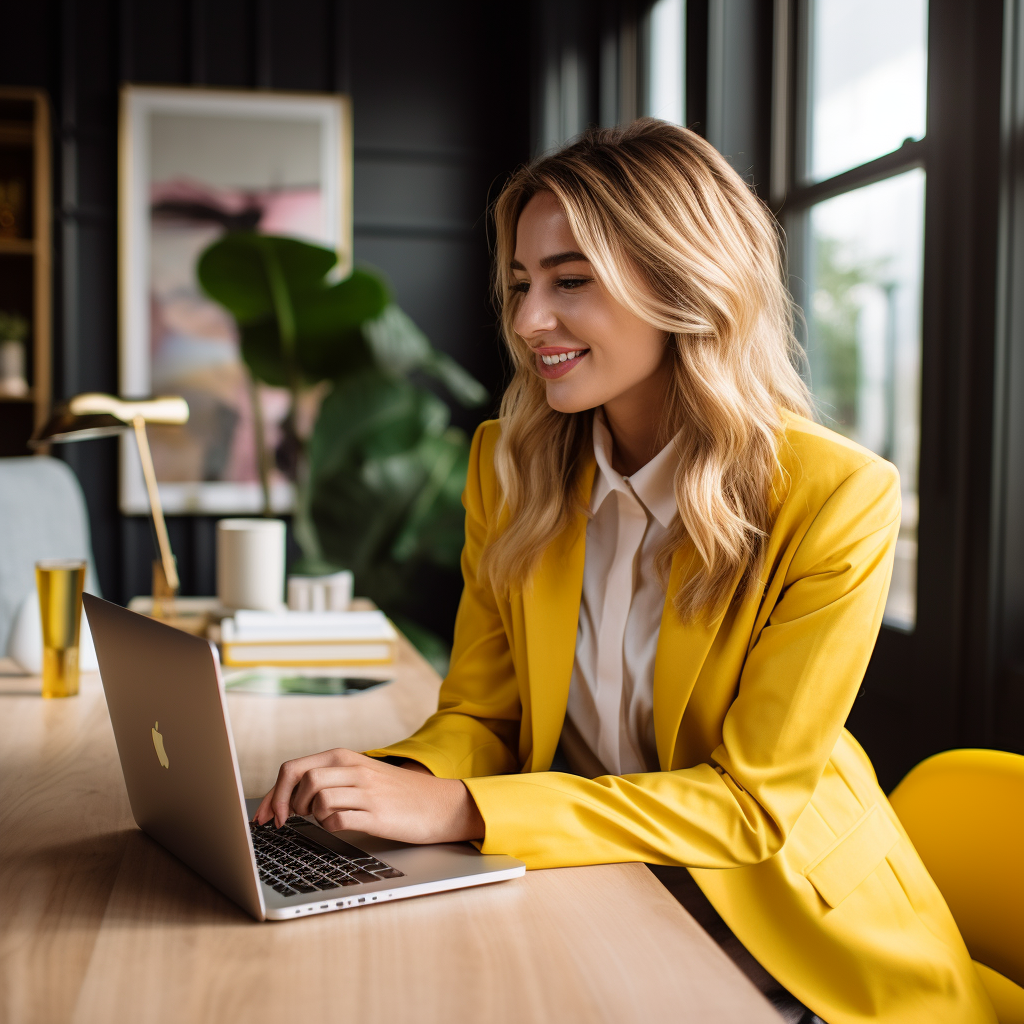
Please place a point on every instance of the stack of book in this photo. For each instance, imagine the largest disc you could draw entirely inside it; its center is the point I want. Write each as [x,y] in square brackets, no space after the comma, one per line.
[307,639]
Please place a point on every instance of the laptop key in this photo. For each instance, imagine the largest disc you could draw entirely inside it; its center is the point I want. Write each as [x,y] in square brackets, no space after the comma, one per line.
[325,883]
[363,876]
[390,873]
[303,887]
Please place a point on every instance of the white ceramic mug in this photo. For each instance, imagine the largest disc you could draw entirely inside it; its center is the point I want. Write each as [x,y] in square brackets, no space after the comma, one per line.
[250,563]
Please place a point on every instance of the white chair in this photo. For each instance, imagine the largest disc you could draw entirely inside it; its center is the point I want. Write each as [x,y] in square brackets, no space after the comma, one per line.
[42,515]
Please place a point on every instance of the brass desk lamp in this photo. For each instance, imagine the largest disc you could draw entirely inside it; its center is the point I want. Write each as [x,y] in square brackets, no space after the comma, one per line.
[96,415]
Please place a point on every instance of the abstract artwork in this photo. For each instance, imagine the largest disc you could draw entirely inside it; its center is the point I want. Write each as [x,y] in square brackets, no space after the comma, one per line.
[196,163]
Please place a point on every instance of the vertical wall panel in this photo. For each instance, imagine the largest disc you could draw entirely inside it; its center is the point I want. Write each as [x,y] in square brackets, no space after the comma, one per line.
[300,53]
[222,43]
[157,37]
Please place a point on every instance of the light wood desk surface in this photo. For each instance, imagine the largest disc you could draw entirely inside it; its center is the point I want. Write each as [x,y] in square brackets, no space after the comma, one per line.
[99,924]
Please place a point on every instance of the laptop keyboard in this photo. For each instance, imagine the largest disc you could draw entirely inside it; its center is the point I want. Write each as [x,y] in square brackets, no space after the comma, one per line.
[293,864]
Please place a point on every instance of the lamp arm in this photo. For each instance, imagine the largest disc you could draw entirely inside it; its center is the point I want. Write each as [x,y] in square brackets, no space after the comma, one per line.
[146,458]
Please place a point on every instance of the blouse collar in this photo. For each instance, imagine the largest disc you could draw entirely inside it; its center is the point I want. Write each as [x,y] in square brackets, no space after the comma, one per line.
[652,484]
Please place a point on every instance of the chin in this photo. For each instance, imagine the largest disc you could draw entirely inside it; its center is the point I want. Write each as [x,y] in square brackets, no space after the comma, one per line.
[570,399]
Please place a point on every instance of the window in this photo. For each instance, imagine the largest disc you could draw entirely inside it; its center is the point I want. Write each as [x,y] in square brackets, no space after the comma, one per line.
[854,214]
[666,64]
[866,84]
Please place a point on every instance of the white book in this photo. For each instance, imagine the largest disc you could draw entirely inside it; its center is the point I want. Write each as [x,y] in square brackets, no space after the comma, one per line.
[308,638]
[252,625]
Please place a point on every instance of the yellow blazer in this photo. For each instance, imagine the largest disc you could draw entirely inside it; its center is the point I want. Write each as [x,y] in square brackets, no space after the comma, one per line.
[762,794]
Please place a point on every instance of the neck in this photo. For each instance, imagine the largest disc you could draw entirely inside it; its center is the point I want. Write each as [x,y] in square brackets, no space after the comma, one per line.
[635,421]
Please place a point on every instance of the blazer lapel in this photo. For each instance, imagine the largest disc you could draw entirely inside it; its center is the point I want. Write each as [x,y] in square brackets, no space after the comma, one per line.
[551,609]
[682,649]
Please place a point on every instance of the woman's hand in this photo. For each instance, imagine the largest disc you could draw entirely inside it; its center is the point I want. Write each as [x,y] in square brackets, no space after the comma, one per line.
[346,790]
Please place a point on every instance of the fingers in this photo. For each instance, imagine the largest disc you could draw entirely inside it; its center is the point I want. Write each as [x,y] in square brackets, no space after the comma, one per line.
[263,811]
[318,780]
[278,802]
[348,821]
[344,790]
[281,795]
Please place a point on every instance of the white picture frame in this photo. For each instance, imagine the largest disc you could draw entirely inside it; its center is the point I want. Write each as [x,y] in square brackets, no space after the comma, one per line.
[289,157]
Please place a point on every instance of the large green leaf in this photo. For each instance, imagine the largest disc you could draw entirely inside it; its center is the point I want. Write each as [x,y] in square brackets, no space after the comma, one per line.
[316,359]
[402,348]
[233,271]
[371,415]
[387,474]
[428,529]
[343,306]
[308,326]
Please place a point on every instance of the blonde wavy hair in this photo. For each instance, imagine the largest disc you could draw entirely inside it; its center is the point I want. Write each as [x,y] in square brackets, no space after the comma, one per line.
[674,235]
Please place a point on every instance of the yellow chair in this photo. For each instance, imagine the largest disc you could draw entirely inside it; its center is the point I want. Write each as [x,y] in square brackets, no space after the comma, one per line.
[964,812]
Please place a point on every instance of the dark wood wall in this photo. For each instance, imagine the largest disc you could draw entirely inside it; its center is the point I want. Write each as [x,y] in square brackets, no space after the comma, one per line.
[440,98]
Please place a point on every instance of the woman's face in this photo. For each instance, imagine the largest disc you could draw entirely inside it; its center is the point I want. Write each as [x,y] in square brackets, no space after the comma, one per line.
[590,349]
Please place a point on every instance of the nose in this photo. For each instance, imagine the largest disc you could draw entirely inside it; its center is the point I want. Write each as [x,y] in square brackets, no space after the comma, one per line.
[535,315]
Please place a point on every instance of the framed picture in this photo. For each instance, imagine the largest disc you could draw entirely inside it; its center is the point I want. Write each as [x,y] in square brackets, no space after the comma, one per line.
[195,163]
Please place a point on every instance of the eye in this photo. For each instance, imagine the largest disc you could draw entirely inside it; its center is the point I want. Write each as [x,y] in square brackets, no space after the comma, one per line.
[572,283]
[520,287]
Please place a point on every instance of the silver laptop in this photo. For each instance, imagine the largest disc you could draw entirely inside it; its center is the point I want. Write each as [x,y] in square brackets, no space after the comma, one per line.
[166,703]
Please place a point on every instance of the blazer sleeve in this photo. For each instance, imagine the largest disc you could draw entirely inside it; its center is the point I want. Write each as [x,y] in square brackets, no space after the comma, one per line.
[796,689]
[475,729]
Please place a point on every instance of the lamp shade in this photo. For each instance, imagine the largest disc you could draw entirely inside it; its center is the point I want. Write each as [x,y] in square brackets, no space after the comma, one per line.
[98,415]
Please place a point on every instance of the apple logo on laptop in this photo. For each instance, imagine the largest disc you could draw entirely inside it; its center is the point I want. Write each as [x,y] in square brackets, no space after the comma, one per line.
[158,742]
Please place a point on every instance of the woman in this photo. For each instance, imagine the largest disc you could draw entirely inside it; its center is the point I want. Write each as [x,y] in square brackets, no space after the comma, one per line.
[674,579]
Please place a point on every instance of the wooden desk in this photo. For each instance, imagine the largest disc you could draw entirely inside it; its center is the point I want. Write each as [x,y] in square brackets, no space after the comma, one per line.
[99,924]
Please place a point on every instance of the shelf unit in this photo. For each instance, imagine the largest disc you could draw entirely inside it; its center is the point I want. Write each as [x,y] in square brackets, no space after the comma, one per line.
[26,261]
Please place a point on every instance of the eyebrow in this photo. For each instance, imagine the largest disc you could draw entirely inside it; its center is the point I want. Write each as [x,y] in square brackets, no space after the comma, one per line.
[554,261]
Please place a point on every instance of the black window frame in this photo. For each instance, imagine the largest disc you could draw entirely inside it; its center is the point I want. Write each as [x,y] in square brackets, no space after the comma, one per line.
[941,685]
[800,193]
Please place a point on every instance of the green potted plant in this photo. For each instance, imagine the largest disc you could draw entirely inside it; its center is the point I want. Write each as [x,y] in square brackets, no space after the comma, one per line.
[380,477]
[13,332]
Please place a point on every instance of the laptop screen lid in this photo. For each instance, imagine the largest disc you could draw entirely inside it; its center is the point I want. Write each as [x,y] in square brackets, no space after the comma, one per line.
[174,740]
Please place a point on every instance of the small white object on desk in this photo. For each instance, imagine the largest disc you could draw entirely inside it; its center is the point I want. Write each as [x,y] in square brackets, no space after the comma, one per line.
[308,638]
[250,563]
[331,593]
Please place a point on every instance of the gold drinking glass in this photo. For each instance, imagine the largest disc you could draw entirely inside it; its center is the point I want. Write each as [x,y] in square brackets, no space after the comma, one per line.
[60,583]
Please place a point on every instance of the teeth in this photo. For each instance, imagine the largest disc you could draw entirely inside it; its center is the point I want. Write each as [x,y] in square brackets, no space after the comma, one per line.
[562,357]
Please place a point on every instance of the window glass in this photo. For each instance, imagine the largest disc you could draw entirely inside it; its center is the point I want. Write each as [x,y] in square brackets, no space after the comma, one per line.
[867,70]
[864,338]
[667,63]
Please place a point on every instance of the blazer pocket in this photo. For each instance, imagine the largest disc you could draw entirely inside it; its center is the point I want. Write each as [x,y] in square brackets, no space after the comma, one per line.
[853,856]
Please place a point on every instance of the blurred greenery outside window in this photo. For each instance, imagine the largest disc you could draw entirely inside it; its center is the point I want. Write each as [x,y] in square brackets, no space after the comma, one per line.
[860,254]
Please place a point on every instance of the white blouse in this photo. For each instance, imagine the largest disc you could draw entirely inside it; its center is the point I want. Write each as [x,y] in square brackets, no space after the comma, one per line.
[611,693]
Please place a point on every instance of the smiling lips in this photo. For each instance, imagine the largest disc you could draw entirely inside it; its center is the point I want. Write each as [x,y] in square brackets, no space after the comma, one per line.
[557,362]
